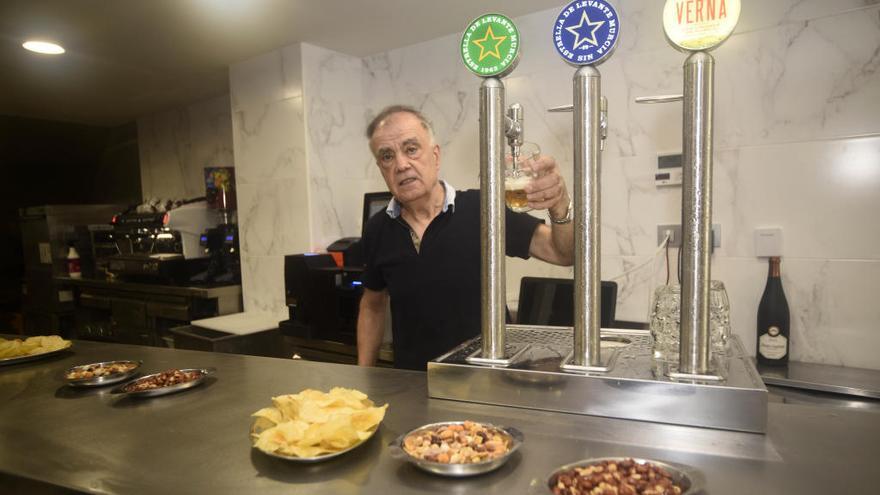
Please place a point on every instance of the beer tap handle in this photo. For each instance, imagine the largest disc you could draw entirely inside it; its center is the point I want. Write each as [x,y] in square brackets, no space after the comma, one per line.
[603,118]
[561,108]
[514,130]
[659,99]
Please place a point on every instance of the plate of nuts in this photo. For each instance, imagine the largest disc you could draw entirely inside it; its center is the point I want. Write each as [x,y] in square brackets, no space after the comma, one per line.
[103,373]
[624,476]
[166,382]
[457,448]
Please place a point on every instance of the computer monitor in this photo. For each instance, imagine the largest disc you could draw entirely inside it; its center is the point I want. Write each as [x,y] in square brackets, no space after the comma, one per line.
[550,301]
[374,202]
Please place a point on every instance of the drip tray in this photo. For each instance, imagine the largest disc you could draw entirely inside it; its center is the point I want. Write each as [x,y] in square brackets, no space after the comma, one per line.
[636,386]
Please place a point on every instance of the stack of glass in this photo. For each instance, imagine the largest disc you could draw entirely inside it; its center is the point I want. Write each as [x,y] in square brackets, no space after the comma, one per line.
[666,317]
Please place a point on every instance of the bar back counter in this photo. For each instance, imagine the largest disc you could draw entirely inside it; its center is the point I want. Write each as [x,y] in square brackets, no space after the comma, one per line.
[58,439]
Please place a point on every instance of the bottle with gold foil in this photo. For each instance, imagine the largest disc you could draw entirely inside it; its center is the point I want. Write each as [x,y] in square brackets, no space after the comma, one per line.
[774,338]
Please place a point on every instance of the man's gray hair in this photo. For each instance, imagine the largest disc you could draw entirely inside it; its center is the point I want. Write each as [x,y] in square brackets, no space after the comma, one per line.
[391,110]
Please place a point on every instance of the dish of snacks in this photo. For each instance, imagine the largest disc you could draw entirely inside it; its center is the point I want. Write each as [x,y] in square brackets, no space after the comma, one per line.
[458,448]
[313,426]
[166,382]
[622,476]
[103,373]
[457,443]
[17,350]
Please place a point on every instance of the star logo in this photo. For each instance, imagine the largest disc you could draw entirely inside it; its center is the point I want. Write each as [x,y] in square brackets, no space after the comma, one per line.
[585,26]
[494,52]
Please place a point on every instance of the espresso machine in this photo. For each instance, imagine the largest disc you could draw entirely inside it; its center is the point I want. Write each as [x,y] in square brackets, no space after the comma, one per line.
[161,246]
[220,242]
[586,369]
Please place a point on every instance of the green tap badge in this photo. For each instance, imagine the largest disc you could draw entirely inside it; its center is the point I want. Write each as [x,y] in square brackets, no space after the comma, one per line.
[490,46]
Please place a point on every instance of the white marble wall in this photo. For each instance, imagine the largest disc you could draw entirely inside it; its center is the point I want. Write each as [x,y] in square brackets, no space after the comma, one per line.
[797,146]
[340,172]
[269,136]
[175,146]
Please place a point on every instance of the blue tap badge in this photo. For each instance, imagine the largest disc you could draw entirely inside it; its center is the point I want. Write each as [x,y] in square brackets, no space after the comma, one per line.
[586,31]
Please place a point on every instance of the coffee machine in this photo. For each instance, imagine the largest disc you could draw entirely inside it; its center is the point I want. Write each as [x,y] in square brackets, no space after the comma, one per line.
[220,242]
[161,246]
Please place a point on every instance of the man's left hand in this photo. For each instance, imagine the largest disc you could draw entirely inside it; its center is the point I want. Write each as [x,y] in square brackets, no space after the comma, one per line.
[547,190]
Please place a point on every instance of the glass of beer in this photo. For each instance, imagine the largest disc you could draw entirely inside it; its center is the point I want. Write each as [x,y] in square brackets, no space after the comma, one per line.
[518,174]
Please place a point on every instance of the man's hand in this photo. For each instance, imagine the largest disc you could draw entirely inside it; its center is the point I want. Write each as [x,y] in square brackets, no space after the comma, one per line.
[547,191]
[554,243]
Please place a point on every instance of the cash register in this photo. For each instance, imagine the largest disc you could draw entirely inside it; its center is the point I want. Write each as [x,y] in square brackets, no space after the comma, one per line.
[323,290]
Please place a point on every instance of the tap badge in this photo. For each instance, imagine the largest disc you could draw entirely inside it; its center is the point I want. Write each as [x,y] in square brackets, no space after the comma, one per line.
[699,24]
[490,46]
[586,31]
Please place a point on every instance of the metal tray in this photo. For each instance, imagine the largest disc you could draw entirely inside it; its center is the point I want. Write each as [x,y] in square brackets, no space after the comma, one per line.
[457,470]
[33,357]
[307,460]
[689,479]
[154,392]
[98,381]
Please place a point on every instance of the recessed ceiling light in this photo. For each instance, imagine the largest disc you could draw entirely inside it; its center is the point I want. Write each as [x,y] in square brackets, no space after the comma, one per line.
[43,47]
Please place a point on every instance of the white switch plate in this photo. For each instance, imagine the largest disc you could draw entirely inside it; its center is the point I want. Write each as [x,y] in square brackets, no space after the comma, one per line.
[768,241]
[675,240]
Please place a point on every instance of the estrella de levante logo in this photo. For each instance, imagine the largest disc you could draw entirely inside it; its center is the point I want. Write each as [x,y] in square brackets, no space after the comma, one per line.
[586,31]
[490,45]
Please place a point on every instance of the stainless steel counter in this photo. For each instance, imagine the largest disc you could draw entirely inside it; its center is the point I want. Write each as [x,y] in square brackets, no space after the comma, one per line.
[856,382]
[197,441]
[220,291]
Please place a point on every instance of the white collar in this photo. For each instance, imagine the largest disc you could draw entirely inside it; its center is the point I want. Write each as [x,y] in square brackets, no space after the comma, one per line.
[393,209]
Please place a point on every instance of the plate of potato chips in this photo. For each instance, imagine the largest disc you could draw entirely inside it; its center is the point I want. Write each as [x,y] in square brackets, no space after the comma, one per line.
[313,426]
[17,350]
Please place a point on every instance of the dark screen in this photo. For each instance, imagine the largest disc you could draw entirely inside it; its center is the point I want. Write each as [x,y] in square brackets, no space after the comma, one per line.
[550,301]
[374,202]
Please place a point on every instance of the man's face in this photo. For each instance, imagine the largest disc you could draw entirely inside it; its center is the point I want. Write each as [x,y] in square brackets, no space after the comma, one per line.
[407,157]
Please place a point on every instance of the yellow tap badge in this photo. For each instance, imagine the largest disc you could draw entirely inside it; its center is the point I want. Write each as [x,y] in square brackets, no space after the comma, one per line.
[699,24]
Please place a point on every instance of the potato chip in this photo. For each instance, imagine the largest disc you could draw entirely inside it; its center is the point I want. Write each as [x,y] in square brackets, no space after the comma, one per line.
[267,417]
[313,423]
[31,346]
[365,419]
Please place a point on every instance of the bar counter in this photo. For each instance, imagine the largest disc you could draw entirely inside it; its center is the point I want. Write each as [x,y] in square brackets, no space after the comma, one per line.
[228,295]
[57,439]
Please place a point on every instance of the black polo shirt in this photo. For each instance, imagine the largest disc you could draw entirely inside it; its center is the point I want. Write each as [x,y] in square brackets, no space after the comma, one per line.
[435,293]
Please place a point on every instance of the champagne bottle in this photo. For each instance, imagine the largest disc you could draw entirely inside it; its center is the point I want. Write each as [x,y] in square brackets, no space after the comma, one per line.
[773,320]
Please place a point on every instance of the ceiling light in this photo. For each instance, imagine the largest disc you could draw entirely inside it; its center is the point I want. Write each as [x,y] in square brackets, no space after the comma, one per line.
[43,47]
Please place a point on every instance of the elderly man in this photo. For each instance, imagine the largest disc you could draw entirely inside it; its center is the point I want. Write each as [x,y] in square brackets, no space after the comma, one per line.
[424,250]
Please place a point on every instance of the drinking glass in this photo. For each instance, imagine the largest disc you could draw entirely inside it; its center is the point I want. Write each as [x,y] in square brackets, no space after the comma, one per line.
[519,174]
[665,317]
[719,316]
[665,320]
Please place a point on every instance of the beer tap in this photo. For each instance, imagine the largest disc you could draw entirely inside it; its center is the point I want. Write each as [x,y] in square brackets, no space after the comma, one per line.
[603,117]
[514,131]
[584,50]
[497,122]
[696,196]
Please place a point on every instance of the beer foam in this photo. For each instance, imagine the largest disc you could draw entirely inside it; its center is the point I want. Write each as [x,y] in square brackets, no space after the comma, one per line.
[516,183]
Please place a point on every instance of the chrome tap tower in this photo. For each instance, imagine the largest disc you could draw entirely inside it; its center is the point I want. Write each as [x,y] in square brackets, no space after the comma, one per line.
[589,128]
[585,369]
[490,49]
[696,214]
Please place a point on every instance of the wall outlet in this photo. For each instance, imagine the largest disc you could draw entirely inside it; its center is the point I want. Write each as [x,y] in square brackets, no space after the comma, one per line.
[675,240]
